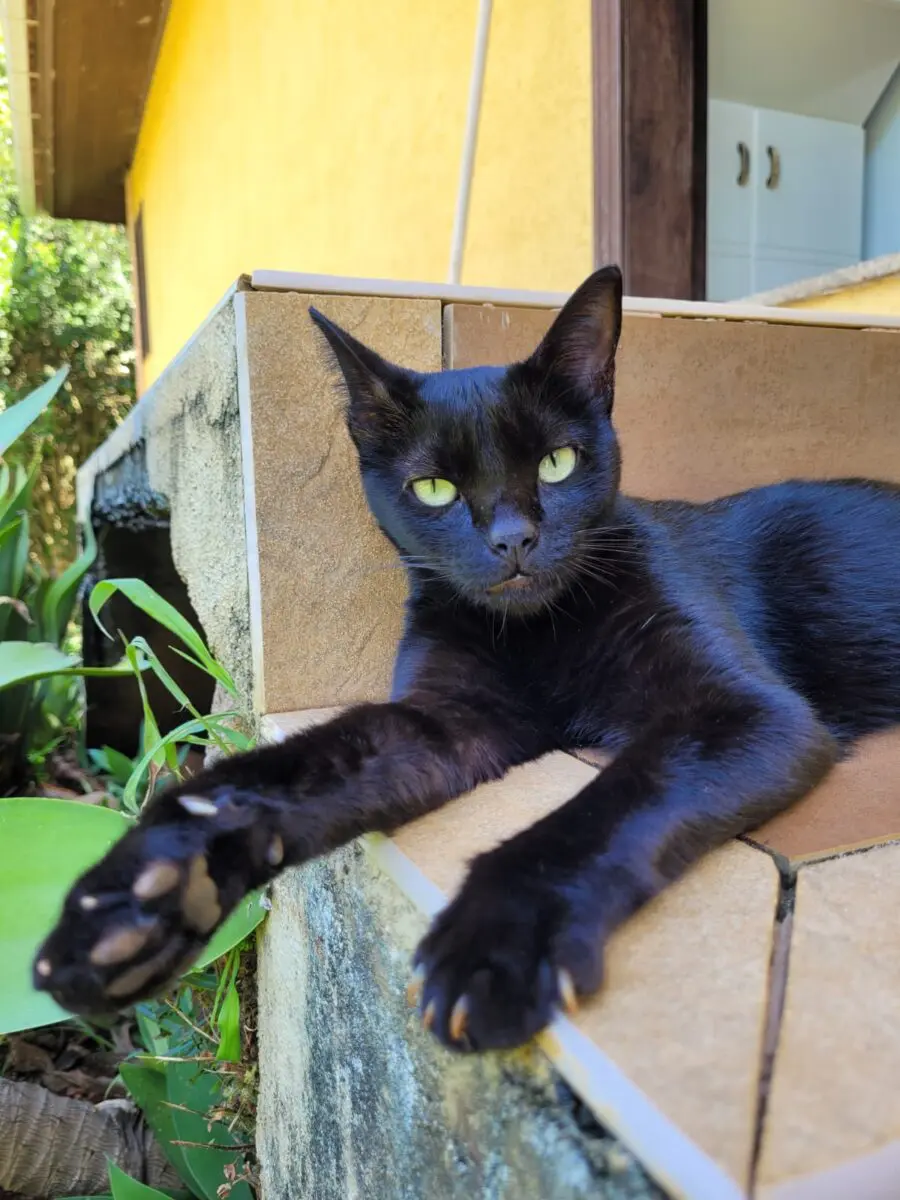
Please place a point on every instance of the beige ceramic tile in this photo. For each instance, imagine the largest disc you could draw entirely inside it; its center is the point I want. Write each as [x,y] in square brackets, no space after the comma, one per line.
[835,1098]
[704,408]
[484,335]
[442,844]
[684,1008]
[326,592]
[857,805]
[874,1177]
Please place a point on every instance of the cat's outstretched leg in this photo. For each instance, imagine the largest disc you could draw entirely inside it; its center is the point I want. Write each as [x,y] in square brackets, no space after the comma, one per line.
[137,919]
[526,932]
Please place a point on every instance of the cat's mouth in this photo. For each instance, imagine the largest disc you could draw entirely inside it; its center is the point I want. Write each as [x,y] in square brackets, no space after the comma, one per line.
[514,583]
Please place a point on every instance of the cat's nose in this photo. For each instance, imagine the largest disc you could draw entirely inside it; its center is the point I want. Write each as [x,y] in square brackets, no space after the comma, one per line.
[513,536]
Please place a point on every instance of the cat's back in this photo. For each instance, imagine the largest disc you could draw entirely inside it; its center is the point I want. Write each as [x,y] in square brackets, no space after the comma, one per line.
[811,569]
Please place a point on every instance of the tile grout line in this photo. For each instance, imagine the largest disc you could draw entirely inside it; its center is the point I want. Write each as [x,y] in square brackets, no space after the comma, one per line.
[779,967]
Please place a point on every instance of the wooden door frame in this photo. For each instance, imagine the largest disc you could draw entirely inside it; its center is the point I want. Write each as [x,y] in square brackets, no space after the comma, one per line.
[649,60]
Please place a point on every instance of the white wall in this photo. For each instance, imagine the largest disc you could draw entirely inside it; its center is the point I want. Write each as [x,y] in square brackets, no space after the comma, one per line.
[820,58]
[881,211]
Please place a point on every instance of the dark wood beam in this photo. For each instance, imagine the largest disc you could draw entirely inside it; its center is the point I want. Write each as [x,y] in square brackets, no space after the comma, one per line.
[650,97]
[96,62]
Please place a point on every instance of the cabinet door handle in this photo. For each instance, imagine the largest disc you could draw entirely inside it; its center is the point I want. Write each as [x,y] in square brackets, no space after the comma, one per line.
[774,168]
[744,169]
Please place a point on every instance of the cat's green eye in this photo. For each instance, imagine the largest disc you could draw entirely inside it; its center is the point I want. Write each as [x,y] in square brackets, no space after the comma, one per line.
[557,465]
[436,493]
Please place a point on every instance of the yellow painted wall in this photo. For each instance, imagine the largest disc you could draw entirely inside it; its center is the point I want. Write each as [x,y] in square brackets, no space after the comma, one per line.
[878,297]
[531,220]
[326,135]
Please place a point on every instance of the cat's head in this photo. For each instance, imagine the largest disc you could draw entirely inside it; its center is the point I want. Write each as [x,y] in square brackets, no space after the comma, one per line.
[494,478]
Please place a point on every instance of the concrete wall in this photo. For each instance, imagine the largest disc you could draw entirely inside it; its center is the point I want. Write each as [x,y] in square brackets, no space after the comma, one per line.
[358,1102]
[186,432]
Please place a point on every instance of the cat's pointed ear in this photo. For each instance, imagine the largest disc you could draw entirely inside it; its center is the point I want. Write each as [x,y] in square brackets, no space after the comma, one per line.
[580,345]
[379,394]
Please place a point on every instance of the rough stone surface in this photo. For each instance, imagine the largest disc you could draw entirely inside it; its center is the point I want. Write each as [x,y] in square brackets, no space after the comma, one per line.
[179,452]
[357,1101]
[327,583]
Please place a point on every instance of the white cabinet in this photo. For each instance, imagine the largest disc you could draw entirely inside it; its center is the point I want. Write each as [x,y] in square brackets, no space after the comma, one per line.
[784,198]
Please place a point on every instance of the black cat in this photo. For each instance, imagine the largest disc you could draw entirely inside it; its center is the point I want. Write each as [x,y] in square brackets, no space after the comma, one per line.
[723,653]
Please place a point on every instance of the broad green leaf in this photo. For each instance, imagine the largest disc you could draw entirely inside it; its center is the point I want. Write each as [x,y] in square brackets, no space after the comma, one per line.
[198,1091]
[16,419]
[146,1083]
[125,1188]
[22,662]
[45,845]
[145,598]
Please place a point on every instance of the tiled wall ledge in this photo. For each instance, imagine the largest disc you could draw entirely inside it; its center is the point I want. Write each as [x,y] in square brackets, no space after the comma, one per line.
[746,1037]
[686,1055]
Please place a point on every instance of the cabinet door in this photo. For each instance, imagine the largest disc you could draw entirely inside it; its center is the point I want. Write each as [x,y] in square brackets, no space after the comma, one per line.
[809,187]
[729,217]
[729,188]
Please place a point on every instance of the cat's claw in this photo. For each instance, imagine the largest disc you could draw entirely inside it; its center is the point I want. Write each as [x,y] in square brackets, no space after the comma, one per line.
[458,1018]
[414,987]
[567,994]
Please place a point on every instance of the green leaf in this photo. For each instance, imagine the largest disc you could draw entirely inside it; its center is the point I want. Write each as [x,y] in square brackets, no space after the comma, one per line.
[228,1024]
[160,671]
[155,747]
[22,662]
[59,601]
[15,420]
[198,1091]
[125,1188]
[150,736]
[45,845]
[118,764]
[146,1083]
[155,1040]
[245,918]
[150,602]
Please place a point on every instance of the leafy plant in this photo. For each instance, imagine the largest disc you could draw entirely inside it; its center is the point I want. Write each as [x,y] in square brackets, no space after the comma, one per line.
[194,1040]
[39,699]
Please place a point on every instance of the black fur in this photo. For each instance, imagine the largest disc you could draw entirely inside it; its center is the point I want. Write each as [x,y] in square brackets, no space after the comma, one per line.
[724,653]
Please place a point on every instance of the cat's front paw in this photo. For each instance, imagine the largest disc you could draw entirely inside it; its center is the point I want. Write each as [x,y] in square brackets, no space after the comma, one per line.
[501,960]
[137,920]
